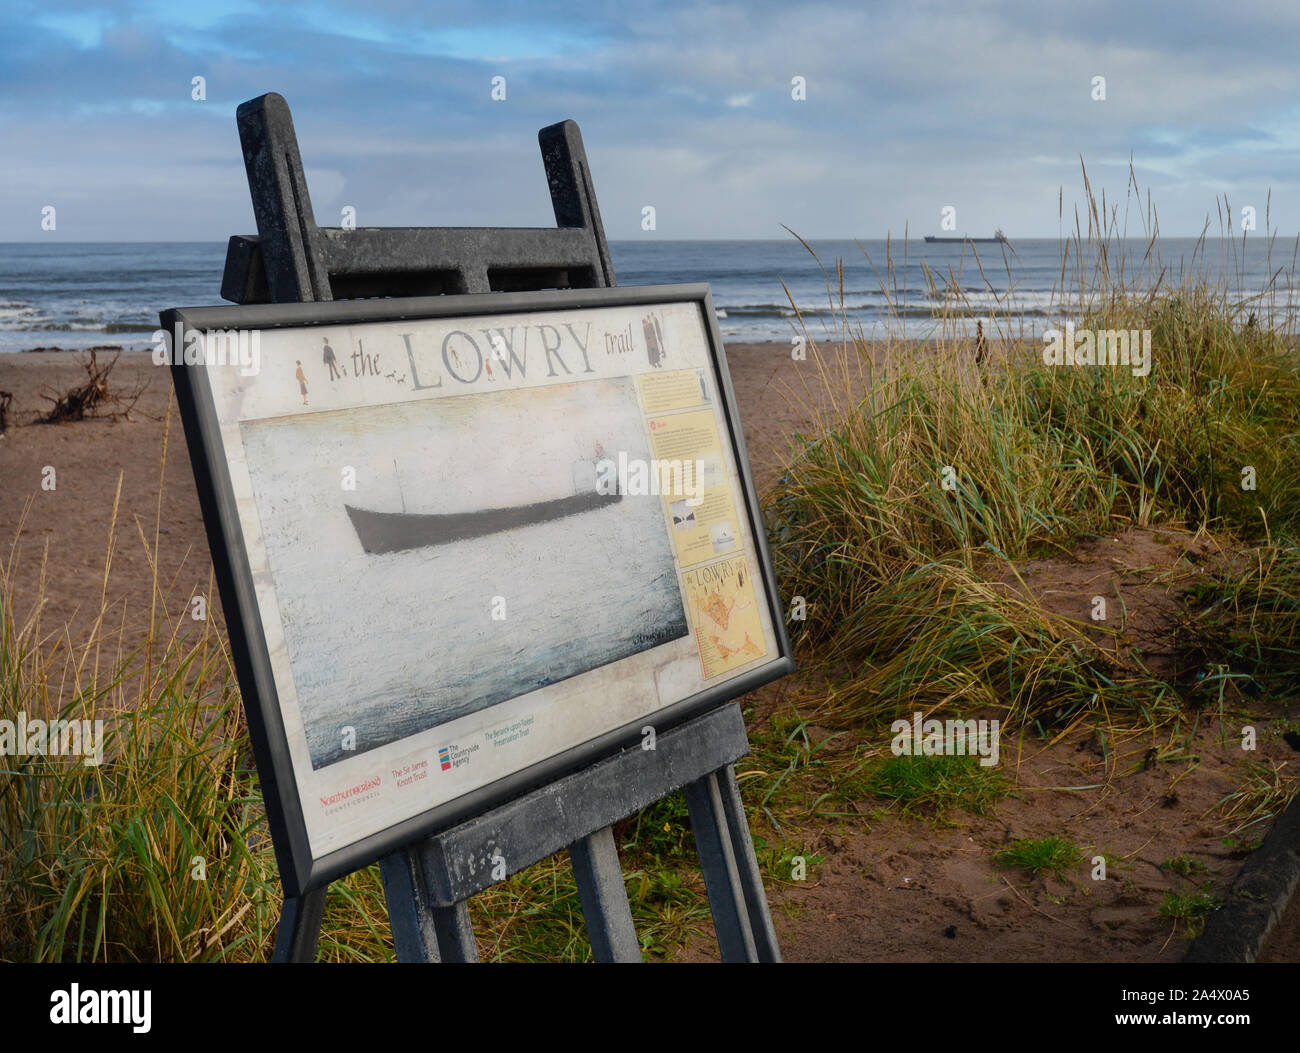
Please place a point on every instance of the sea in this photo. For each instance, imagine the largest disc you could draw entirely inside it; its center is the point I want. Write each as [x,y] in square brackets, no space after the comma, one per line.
[80,295]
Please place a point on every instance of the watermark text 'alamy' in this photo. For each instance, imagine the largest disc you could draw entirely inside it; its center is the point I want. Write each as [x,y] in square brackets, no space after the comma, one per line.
[240,348]
[1099,347]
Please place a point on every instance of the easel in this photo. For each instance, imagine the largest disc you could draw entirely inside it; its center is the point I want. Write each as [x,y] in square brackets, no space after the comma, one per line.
[427,884]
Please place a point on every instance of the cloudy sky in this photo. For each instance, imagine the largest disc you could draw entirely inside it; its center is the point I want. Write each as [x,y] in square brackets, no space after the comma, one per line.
[986,107]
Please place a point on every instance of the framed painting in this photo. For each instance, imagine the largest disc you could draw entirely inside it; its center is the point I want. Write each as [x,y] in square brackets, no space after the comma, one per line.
[468,544]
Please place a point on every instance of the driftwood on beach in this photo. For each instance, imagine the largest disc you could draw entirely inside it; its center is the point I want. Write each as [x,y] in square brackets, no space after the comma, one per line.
[93,398]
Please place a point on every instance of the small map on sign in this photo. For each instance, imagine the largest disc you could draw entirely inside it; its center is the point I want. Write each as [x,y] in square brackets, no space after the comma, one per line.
[725,615]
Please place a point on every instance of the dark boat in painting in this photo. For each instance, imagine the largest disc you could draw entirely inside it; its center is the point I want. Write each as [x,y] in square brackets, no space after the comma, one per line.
[382,532]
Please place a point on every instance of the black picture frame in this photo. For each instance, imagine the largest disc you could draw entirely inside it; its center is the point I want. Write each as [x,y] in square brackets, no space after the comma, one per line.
[299,870]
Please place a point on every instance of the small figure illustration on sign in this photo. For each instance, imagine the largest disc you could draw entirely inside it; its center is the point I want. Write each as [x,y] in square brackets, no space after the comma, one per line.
[330,361]
[654,340]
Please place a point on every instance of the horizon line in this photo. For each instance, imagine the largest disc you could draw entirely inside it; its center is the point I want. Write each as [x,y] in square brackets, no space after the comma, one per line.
[685,241]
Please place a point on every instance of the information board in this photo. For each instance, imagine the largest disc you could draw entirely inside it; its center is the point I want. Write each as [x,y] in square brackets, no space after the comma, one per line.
[468,543]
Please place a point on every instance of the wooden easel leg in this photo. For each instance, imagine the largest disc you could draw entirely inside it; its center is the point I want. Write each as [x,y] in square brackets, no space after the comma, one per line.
[456,941]
[423,932]
[604,898]
[721,876]
[298,934]
[414,936]
[751,881]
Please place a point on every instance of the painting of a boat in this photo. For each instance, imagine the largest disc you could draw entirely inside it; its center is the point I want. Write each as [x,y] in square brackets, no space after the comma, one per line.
[502,494]
[382,532]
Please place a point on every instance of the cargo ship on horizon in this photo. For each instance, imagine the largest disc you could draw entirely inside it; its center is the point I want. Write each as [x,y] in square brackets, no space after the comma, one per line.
[936,240]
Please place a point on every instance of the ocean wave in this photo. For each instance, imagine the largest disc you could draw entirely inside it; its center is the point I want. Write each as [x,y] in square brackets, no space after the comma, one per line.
[765,311]
[131,327]
[859,301]
[951,309]
[962,311]
[983,297]
[29,325]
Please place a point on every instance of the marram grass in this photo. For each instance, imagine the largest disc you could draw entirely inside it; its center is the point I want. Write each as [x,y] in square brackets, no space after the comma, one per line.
[160,852]
[932,477]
